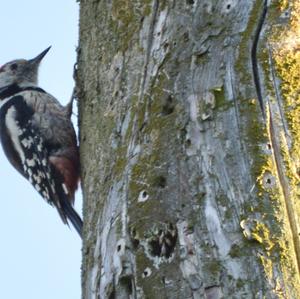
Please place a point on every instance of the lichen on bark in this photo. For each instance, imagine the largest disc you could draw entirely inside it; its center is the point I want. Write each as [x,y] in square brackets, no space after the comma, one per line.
[184,195]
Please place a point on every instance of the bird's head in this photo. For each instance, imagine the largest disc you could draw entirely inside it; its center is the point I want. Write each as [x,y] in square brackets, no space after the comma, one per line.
[21,72]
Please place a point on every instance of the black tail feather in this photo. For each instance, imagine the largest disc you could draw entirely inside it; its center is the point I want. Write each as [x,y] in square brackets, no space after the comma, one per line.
[72,216]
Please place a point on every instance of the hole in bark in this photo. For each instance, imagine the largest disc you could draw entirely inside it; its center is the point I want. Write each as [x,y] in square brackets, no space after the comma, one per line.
[186,37]
[119,247]
[166,45]
[147,272]
[134,238]
[269,146]
[228,6]
[142,19]
[190,2]
[212,292]
[155,248]
[188,142]
[135,243]
[160,181]
[127,283]
[168,106]
[269,181]
[143,196]
[112,295]
[163,244]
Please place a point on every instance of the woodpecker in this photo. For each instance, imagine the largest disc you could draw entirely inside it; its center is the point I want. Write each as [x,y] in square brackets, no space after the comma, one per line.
[38,137]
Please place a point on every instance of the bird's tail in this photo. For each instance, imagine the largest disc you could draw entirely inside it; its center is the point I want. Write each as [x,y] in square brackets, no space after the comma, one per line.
[63,203]
[72,215]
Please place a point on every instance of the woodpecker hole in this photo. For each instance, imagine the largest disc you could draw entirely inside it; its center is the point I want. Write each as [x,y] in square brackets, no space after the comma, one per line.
[163,243]
[228,6]
[188,142]
[143,196]
[190,2]
[213,292]
[160,181]
[168,106]
[121,245]
[112,295]
[166,46]
[134,238]
[186,37]
[147,272]
[127,284]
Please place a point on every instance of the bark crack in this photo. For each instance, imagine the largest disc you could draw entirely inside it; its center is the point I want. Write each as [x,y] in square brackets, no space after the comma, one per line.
[149,46]
[285,189]
[255,71]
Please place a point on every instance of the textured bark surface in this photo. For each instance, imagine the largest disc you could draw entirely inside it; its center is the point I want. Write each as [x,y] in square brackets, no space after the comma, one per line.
[189,148]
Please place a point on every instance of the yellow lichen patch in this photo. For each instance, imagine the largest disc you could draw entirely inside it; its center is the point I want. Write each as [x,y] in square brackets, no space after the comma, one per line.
[286,50]
[285,45]
[261,233]
[283,4]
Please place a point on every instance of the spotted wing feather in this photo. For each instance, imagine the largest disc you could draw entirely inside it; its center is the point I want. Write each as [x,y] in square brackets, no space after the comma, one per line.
[32,157]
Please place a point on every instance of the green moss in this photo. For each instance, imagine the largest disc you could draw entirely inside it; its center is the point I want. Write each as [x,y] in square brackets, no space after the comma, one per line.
[121,161]
[256,136]
[222,103]
[235,251]
[240,283]
[126,19]
[212,270]
[243,61]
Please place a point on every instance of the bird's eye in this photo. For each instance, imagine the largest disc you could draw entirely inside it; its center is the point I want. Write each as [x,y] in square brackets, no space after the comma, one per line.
[14,66]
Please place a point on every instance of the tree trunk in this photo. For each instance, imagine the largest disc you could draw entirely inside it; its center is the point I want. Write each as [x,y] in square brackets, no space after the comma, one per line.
[189,131]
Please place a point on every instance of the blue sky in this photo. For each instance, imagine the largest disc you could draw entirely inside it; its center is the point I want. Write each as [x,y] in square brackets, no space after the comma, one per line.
[40,258]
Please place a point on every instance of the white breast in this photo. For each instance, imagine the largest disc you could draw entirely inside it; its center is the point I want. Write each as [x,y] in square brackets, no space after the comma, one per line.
[14,131]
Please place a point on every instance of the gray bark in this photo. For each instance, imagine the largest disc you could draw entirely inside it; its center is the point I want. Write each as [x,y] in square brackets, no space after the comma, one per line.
[188,173]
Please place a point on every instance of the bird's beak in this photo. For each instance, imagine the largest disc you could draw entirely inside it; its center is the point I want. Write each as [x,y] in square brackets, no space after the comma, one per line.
[37,59]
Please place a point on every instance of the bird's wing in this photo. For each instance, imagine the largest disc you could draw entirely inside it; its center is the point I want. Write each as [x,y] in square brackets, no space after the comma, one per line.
[30,156]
